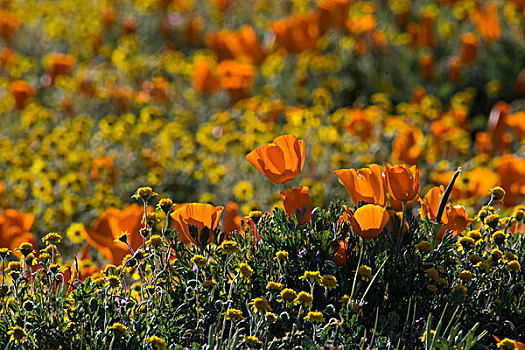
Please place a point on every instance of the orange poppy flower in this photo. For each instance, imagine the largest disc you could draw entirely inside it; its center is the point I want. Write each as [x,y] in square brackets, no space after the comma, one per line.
[232,219]
[487,22]
[60,63]
[518,345]
[298,199]
[9,24]
[340,257]
[469,47]
[406,146]
[402,183]
[280,161]
[237,78]
[367,184]
[511,170]
[109,226]
[21,92]
[204,79]
[299,32]
[430,203]
[199,215]
[14,229]
[368,221]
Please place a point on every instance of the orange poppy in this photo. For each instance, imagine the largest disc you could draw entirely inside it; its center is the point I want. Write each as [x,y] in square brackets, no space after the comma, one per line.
[518,345]
[299,32]
[340,257]
[511,170]
[298,200]
[487,22]
[204,79]
[469,47]
[402,183]
[109,226]
[406,146]
[14,229]
[232,219]
[280,161]
[430,203]
[237,78]
[21,92]
[367,184]
[202,216]
[60,63]
[368,221]
[9,24]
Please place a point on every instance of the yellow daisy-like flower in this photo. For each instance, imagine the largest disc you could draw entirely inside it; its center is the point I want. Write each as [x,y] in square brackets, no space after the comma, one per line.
[315,317]
[432,274]
[243,191]
[208,284]
[492,220]
[245,270]
[118,328]
[25,248]
[514,266]
[365,272]
[234,314]
[114,281]
[499,237]
[424,247]
[260,305]
[465,276]
[155,241]
[274,285]
[4,253]
[312,276]
[509,256]
[271,317]
[329,282]
[304,298]
[474,234]
[157,342]
[474,258]
[52,238]
[75,232]
[145,193]
[466,243]
[344,299]
[228,247]
[281,255]
[199,260]
[496,253]
[122,238]
[251,340]
[288,295]
[461,288]
[498,193]
[18,334]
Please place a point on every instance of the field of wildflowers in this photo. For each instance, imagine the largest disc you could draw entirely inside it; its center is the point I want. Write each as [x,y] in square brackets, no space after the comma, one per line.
[262,174]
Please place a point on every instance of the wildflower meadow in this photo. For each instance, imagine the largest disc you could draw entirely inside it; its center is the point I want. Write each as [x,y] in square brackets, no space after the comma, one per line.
[262,174]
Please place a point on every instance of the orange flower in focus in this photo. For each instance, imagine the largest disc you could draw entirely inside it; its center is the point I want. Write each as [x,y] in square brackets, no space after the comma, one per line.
[340,257]
[14,229]
[21,92]
[430,203]
[9,24]
[232,219]
[511,170]
[298,199]
[202,216]
[237,78]
[402,183]
[454,219]
[109,226]
[204,79]
[368,221]
[367,184]
[280,161]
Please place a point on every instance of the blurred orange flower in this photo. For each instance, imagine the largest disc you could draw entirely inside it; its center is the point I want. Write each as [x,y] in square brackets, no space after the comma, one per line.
[60,63]
[204,79]
[511,170]
[14,229]
[298,33]
[237,78]
[21,92]
[406,146]
[242,45]
[469,47]
[340,257]
[232,219]
[205,217]
[298,199]
[368,221]
[402,183]
[9,24]
[485,17]
[367,184]
[280,161]
[110,225]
